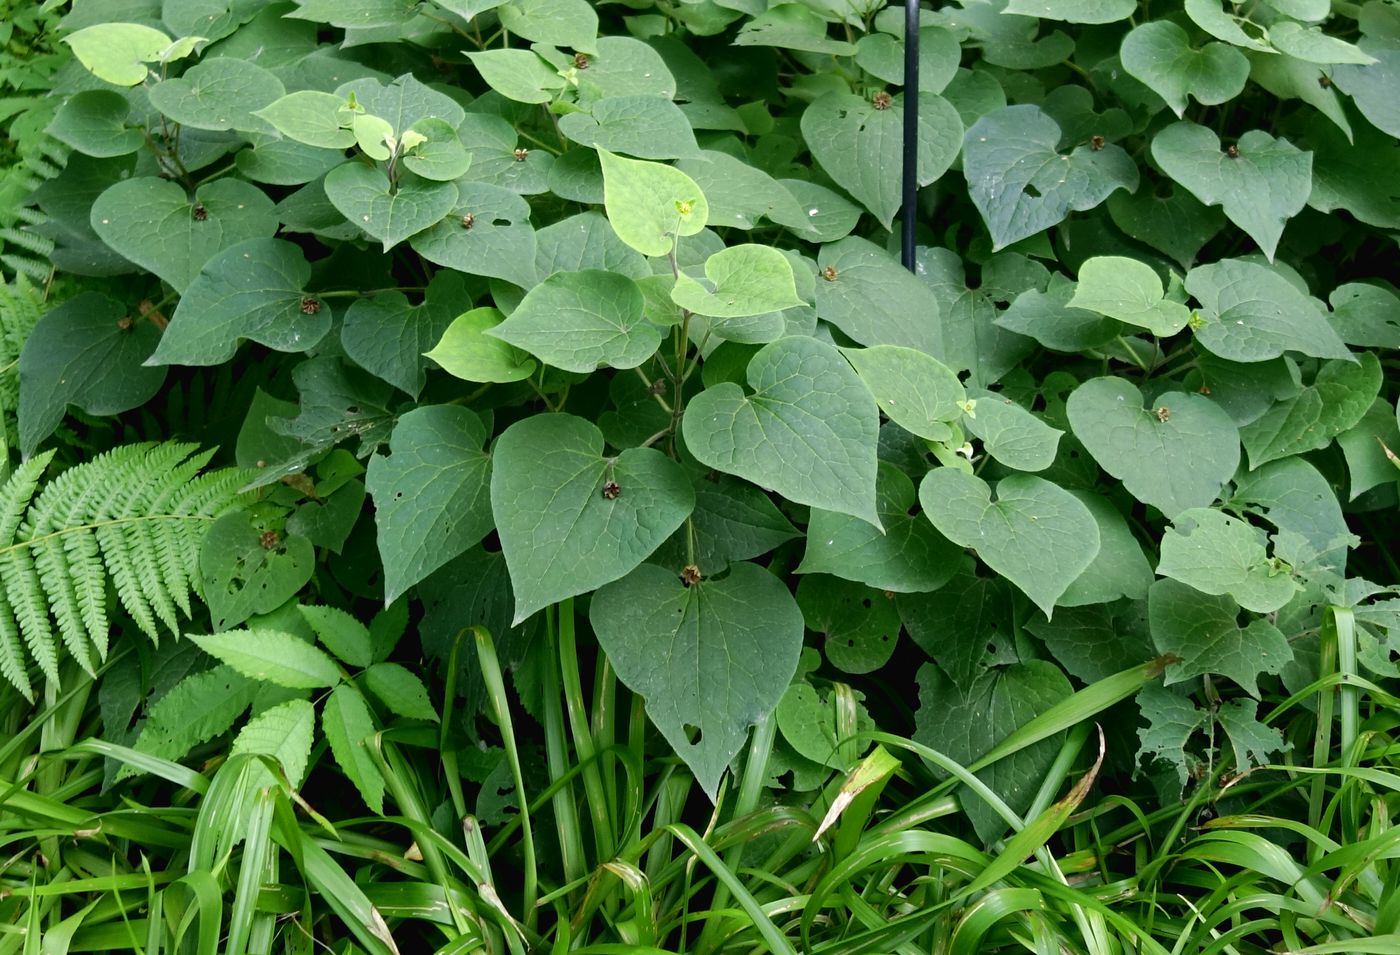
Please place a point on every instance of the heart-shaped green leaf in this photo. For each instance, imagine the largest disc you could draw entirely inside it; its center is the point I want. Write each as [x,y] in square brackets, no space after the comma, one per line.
[732,648]
[1253,313]
[1160,54]
[118,52]
[521,75]
[1204,633]
[155,224]
[916,391]
[466,351]
[1260,182]
[1176,223]
[860,625]
[488,233]
[650,205]
[740,281]
[863,291]
[430,493]
[582,321]
[1175,455]
[645,126]
[389,212]
[1335,401]
[908,557]
[1021,182]
[569,517]
[1036,534]
[252,290]
[387,336]
[250,566]
[220,93]
[94,122]
[808,430]
[1219,554]
[1130,291]
[310,117]
[858,141]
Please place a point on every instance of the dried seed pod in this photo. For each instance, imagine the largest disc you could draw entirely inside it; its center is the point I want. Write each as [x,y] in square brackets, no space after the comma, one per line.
[882,100]
[829,273]
[1164,414]
[690,575]
[269,539]
[468,220]
[310,306]
[199,212]
[611,490]
[521,154]
[1097,142]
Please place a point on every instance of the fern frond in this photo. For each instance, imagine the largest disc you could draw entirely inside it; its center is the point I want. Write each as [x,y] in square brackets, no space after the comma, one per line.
[131,519]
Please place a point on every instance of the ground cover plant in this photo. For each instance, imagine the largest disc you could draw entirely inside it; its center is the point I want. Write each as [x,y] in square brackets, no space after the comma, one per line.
[478,477]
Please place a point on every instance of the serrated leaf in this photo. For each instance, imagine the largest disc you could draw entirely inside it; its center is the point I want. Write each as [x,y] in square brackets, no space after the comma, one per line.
[1022,184]
[466,351]
[220,93]
[915,390]
[154,223]
[1012,435]
[272,657]
[348,724]
[1176,455]
[734,639]
[387,336]
[430,493]
[740,281]
[1036,534]
[645,126]
[808,430]
[387,211]
[341,634]
[283,732]
[650,205]
[859,143]
[582,321]
[1159,53]
[401,691]
[1219,554]
[1262,184]
[1130,291]
[908,557]
[1252,741]
[1253,313]
[1171,721]
[254,291]
[571,519]
[1335,401]
[198,708]
[965,721]
[1204,632]
[89,353]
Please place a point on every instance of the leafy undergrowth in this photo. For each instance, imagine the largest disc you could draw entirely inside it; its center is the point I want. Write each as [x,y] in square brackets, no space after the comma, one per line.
[604,543]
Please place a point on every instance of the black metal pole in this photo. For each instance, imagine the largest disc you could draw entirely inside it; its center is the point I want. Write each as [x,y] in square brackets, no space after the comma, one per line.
[911,132]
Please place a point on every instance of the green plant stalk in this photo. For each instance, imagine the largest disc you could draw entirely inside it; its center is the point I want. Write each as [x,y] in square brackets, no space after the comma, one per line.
[556,752]
[603,838]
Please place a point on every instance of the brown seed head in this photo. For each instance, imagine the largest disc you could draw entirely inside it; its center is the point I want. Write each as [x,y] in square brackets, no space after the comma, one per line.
[1203,390]
[690,575]
[310,306]
[1164,414]
[522,154]
[468,220]
[581,61]
[1097,142]
[125,323]
[829,273]
[199,212]
[611,490]
[881,100]
[1232,151]
[269,539]
[1325,81]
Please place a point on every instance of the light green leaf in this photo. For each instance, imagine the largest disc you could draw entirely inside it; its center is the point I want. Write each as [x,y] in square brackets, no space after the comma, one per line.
[915,390]
[254,291]
[466,351]
[488,233]
[194,711]
[387,212]
[356,14]
[440,155]
[403,103]
[1204,632]
[740,194]
[249,566]
[1210,16]
[1310,44]
[741,280]
[582,321]
[908,557]
[1160,54]
[1022,184]
[1366,314]
[791,26]
[430,493]
[1130,291]
[808,430]
[1047,317]
[341,634]
[1074,11]
[1253,313]
[647,126]
[348,724]
[401,691]
[1176,455]
[649,204]
[1262,184]
[94,122]
[829,215]
[964,721]
[1335,401]
[732,648]
[1036,534]
[118,52]
[865,293]
[310,117]
[1218,554]
[155,224]
[570,518]
[571,23]
[1012,435]
[1120,569]
[387,336]
[272,657]
[521,75]
[284,732]
[858,142]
